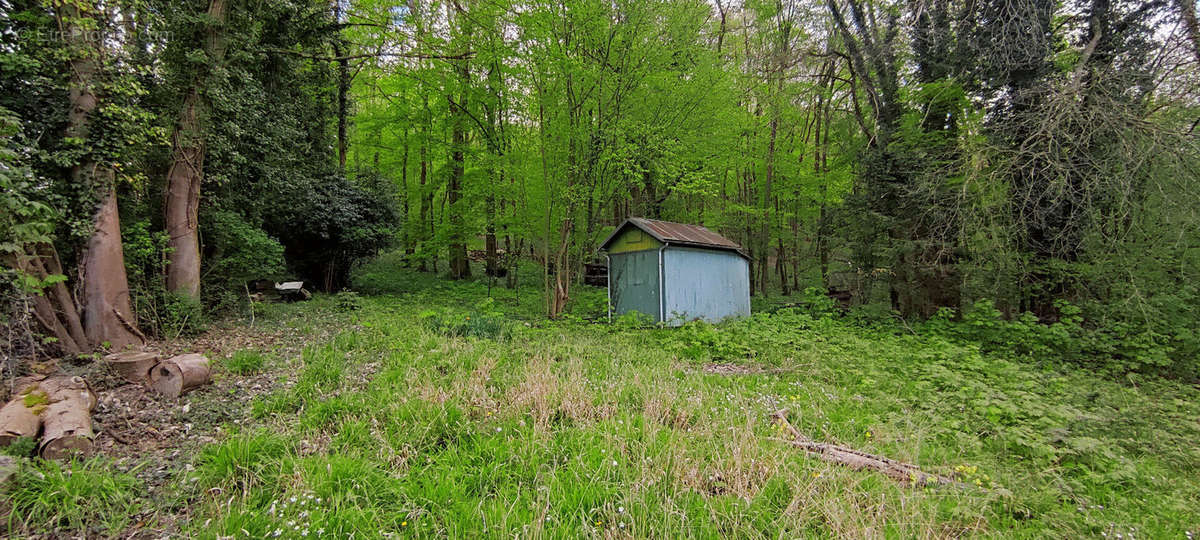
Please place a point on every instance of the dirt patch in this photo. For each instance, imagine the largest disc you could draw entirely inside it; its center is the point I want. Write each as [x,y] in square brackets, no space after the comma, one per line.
[155,438]
[720,368]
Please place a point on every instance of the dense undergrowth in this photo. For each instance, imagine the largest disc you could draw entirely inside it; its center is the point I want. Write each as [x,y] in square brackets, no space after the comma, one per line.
[442,411]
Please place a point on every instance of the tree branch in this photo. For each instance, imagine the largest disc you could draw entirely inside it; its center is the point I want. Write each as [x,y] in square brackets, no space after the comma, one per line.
[461,56]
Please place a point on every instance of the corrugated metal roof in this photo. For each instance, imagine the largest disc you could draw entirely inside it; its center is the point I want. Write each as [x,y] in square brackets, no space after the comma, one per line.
[679,234]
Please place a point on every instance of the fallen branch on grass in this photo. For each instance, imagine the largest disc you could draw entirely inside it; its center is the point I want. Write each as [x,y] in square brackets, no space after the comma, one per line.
[905,473]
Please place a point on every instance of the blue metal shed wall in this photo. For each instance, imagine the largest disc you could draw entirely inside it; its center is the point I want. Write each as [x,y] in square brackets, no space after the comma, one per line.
[633,282]
[705,284]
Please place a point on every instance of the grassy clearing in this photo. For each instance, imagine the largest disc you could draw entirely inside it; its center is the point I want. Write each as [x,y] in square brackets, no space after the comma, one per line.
[437,412]
[420,422]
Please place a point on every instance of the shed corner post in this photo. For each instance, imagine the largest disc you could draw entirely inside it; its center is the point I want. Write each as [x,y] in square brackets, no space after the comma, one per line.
[608,284]
[662,286]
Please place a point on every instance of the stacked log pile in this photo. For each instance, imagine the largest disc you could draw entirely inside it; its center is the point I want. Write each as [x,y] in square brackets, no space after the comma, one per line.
[59,407]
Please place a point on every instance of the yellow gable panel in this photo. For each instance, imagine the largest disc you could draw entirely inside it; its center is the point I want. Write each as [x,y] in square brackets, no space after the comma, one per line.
[633,239]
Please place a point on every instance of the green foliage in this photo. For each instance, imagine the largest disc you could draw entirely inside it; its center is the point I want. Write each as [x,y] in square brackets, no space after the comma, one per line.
[482,322]
[245,362]
[703,341]
[237,252]
[24,221]
[180,315]
[327,224]
[145,267]
[348,301]
[82,497]
[21,447]
[1116,347]
[632,320]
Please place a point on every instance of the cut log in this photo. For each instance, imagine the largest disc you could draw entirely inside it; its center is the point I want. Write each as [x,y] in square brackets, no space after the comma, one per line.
[17,420]
[180,374]
[68,430]
[63,387]
[133,366]
[905,473]
[67,420]
[23,385]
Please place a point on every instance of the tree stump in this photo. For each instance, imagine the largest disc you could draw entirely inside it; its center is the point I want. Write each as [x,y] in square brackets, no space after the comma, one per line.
[8,470]
[180,374]
[67,420]
[18,420]
[133,366]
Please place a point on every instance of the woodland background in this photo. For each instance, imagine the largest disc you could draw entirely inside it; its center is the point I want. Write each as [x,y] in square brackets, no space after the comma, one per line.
[1031,166]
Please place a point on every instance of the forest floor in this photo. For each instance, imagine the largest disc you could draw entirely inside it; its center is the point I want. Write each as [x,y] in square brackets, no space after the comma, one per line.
[426,409]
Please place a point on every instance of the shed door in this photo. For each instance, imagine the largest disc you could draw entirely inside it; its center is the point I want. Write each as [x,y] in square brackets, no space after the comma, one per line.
[633,282]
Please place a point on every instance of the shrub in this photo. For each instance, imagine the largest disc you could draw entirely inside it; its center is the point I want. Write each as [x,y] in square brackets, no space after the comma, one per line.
[237,252]
[348,301]
[180,315]
[699,340]
[328,224]
[1115,346]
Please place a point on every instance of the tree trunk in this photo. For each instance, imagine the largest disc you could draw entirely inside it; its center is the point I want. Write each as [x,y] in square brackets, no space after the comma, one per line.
[460,267]
[769,180]
[781,266]
[426,203]
[407,240]
[343,87]
[1187,12]
[187,169]
[107,314]
[183,200]
[459,264]
[562,277]
[53,309]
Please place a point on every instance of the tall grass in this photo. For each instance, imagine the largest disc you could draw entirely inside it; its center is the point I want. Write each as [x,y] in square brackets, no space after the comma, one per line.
[80,497]
[570,429]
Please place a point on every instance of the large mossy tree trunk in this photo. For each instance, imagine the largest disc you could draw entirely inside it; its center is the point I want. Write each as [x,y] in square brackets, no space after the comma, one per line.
[187,168]
[108,316]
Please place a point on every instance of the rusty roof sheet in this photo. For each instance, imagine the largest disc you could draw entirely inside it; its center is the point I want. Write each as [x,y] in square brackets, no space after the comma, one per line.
[679,234]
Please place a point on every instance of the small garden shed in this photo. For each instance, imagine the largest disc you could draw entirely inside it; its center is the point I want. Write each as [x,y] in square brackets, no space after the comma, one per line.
[675,272]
